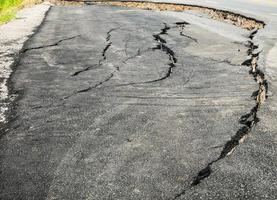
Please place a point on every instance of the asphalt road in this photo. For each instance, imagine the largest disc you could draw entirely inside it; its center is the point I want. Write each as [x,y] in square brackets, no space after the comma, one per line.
[119,103]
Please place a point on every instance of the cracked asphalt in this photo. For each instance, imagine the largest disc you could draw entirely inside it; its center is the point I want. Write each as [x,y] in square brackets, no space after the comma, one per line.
[121,103]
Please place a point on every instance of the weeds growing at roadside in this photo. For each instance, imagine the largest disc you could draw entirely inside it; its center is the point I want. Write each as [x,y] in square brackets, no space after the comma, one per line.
[8,8]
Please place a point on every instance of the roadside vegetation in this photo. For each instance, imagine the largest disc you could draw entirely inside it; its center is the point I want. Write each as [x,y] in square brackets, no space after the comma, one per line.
[8,8]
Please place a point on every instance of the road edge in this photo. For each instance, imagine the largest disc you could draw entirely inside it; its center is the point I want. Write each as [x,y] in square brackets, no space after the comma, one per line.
[7,104]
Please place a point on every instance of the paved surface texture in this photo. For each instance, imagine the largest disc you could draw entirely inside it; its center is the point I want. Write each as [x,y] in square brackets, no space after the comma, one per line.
[119,103]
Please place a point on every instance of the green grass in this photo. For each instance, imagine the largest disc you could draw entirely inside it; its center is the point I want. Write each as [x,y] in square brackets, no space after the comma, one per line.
[6,4]
[8,9]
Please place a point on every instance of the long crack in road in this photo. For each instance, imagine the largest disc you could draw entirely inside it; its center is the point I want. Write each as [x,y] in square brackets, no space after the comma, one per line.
[122,103]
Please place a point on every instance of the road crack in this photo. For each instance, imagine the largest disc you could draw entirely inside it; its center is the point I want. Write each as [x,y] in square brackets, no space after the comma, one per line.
[100,62]
[182,26]
[49,45]
[161,46]
[248,121]
[91,87]
[103,54]
[138,53]
[96,85]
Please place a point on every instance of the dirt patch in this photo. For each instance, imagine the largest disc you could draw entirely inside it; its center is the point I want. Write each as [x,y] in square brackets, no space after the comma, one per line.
[67,3]
[29,3]
[221,15]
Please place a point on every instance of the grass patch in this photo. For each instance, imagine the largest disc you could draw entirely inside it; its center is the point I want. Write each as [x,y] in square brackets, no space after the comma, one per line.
[8,8]
[5,4]
[7,15]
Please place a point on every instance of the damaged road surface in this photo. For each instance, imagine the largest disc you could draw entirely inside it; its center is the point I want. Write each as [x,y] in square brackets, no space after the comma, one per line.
[121,103]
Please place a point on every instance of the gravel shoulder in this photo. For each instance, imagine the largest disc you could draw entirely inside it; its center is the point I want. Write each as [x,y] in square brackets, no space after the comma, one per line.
[13,35]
